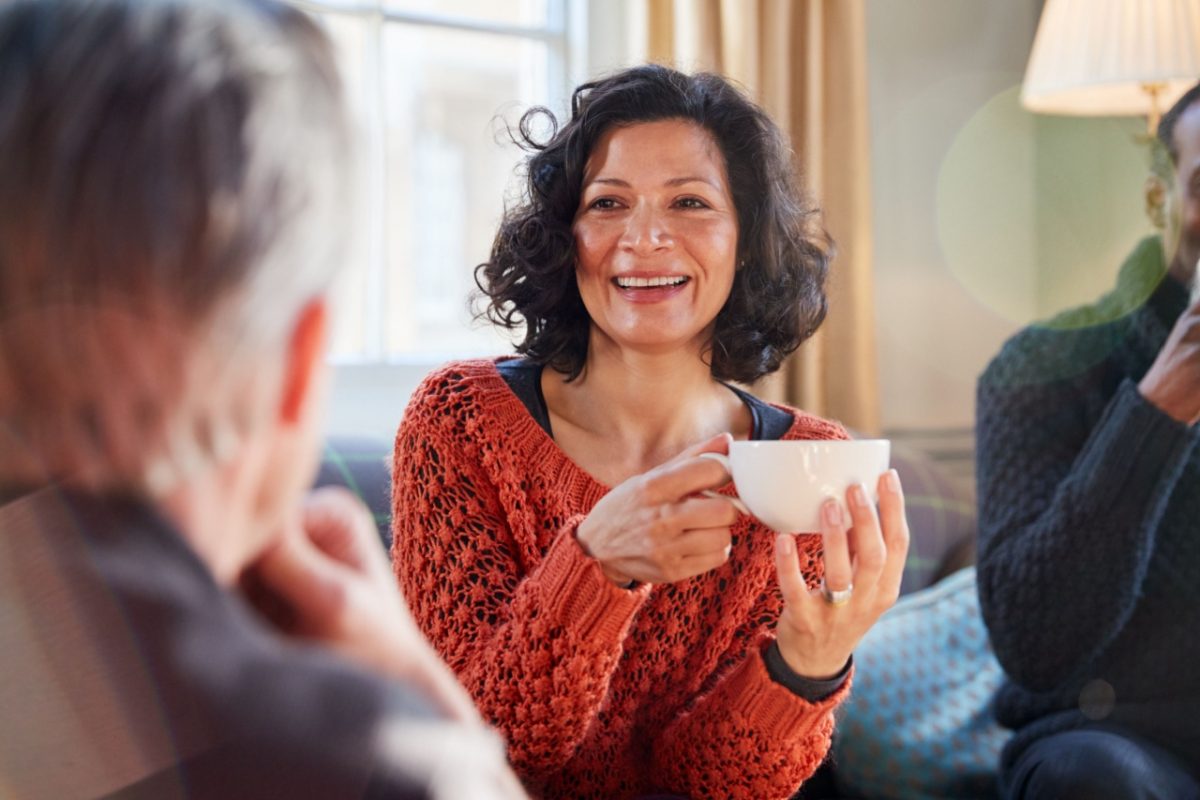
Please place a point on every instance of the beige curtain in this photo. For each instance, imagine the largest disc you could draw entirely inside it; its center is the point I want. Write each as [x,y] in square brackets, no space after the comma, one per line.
[804,61]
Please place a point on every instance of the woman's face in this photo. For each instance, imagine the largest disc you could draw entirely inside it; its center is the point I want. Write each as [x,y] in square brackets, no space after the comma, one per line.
[655,236]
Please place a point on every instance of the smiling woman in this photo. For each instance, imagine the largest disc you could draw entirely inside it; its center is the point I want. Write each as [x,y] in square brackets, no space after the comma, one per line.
[627,633]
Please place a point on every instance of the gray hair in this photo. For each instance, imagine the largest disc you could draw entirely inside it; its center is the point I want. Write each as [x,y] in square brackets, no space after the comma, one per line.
[173,183]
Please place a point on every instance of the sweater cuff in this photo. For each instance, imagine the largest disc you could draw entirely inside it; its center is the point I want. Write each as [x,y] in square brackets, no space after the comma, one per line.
[810,689]
[771,708]
[575,591]
[1136,450]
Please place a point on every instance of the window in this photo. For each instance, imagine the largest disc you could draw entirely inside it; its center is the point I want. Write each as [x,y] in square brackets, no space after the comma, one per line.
[431,84]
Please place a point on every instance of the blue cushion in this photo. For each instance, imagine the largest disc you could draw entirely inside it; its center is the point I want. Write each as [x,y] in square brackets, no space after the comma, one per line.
[918,723]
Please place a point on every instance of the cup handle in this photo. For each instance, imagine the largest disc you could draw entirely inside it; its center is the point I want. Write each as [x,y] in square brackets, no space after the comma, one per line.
[723,460]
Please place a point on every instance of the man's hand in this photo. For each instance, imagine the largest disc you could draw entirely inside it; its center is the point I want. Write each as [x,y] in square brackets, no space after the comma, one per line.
[1173,381]
[327,579]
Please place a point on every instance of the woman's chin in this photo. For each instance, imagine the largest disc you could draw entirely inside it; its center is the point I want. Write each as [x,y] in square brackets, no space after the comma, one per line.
[659,343]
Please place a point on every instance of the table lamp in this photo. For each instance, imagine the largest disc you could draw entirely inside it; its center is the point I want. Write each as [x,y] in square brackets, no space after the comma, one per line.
[1113,57]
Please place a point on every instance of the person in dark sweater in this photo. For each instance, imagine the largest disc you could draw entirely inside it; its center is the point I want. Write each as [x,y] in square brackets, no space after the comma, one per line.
[176,618]
[1089,497]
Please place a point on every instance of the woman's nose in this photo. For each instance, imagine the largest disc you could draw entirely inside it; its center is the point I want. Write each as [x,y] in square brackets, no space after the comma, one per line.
[646,230]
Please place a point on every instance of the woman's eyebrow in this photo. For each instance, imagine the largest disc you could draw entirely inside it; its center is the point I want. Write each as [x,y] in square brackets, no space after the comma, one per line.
[670,182]
[690,179]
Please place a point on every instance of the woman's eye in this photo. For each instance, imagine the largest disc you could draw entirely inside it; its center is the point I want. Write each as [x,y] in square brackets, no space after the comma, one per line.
[603,203]
[691,202]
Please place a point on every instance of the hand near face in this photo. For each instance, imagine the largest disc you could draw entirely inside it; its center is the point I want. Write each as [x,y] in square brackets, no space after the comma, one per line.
[652,529]
[1173,380]
[328,579]
[815,636]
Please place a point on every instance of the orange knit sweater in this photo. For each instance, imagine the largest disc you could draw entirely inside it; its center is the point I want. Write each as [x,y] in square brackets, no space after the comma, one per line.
[599,691]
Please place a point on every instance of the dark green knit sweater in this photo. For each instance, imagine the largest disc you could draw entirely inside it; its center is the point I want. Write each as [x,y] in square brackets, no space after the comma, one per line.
[1089,556]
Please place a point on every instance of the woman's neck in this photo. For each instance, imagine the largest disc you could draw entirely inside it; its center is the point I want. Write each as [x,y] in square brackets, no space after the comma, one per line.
[630,411]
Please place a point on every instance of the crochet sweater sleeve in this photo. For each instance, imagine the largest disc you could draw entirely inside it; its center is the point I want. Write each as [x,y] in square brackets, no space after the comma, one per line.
[1074,475]
[748,737]
[536,648]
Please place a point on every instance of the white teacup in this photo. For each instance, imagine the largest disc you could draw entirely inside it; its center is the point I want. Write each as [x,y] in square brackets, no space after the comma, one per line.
[784,483]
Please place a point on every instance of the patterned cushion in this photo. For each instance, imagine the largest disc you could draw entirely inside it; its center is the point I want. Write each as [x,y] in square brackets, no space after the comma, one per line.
[361,464]
[918,723]
[941,519]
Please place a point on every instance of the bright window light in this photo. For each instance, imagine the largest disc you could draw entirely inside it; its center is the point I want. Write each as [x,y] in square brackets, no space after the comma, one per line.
[432,85]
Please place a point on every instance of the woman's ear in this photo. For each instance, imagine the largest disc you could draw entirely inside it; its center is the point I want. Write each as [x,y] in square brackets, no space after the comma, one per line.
[305,358]
[1156,195]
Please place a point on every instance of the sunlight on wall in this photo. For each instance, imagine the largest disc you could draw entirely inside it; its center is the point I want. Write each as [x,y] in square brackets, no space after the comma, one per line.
[933,65]
[985,209]
[1090,175]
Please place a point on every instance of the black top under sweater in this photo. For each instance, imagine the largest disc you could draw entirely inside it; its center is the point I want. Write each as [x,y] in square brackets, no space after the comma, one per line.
[1089,552]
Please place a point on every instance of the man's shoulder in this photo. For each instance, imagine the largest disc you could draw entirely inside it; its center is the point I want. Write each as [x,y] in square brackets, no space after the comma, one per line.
[1046,353]
[124,653]
[1074,342]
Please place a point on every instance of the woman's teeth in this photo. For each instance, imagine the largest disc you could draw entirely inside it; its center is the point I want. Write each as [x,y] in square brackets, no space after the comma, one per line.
[650,283]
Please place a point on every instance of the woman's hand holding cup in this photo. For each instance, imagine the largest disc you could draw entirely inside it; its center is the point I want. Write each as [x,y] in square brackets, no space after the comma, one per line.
[864,562]
[654,529]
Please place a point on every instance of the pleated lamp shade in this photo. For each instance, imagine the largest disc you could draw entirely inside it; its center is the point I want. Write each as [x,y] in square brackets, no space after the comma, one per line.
[1113,57]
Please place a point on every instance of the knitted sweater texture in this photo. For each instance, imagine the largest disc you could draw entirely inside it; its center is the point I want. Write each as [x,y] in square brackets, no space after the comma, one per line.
[1089,560]
[599,691]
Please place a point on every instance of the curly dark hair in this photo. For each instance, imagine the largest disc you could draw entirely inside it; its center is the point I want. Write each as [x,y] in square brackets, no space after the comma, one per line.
[778,297]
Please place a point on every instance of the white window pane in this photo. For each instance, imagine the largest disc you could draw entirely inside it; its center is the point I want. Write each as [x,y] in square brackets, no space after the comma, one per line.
[526,13]
[429,104]
[355,333]
[448,166]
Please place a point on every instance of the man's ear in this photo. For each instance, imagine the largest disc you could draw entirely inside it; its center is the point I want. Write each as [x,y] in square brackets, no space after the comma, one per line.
[305,359]
[1156,194]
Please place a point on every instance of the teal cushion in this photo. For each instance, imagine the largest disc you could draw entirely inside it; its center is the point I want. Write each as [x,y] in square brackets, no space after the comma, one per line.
[918,723]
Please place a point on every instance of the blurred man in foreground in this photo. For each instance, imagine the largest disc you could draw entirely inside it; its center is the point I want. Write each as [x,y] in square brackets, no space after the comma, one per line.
[176,620]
